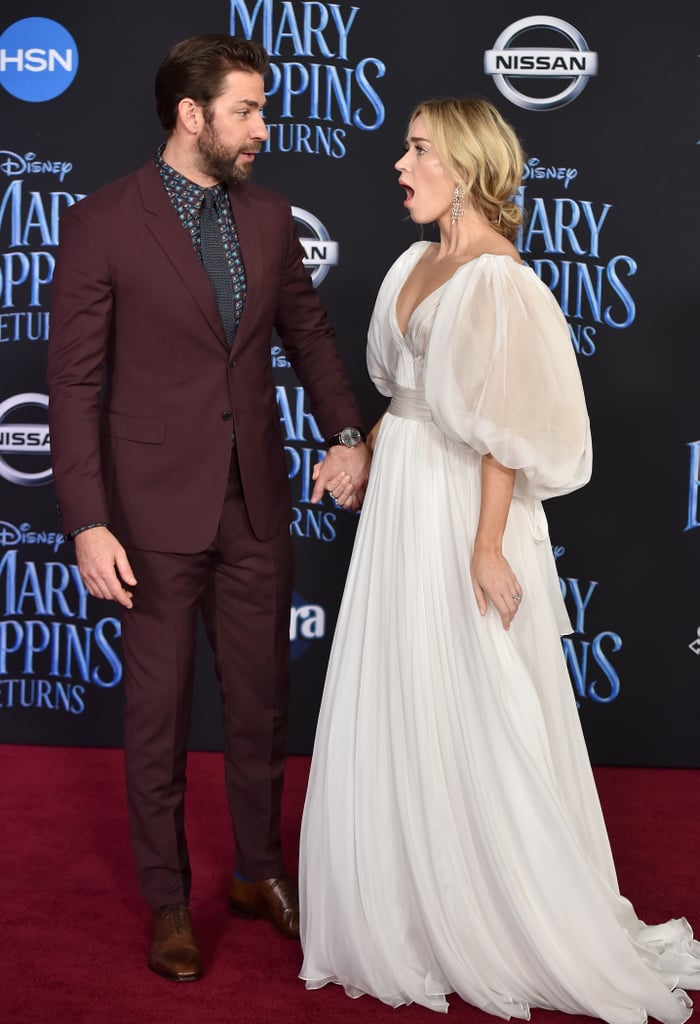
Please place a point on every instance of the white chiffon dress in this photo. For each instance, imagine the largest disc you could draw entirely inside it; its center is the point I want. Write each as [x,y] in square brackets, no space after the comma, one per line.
[452,838]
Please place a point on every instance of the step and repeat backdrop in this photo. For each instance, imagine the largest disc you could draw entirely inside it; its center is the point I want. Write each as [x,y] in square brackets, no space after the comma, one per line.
[604,99]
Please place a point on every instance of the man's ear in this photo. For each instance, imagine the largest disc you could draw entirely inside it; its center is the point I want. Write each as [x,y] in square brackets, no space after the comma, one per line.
[190,115]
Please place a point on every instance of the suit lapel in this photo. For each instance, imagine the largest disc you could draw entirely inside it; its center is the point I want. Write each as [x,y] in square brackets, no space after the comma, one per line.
[164,224]
[251,240]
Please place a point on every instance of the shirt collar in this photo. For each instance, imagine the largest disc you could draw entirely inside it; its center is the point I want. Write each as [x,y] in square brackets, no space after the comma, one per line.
[180,185]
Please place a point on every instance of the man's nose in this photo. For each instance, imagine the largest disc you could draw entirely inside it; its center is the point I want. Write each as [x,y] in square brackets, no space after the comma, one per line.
[259,129]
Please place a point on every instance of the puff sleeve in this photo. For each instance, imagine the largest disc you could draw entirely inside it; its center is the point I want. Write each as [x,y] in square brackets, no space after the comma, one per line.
[501,376]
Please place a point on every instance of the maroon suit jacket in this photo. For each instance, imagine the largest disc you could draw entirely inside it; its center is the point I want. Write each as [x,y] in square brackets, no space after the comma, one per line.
[142,383]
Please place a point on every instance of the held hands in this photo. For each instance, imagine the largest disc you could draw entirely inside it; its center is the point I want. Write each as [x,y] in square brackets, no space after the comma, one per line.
[103,565]
[343,473]
[493,580]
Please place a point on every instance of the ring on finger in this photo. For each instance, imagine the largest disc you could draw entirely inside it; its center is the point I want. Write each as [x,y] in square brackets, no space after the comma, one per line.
[517,597]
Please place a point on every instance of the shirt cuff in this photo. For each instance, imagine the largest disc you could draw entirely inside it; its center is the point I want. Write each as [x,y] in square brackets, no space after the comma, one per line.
[81,529]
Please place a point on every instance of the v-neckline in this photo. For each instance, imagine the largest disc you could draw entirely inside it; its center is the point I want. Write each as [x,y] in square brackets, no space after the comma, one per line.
[404,334]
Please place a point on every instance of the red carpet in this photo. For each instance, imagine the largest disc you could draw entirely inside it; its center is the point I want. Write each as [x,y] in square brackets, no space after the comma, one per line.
[73,936]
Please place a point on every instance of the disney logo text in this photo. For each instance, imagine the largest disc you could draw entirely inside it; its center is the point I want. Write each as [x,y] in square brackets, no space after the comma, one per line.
[533,170]
[13,164]
[12,536]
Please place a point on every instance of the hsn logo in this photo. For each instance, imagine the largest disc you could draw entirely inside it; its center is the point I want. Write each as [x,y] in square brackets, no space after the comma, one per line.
[38,59]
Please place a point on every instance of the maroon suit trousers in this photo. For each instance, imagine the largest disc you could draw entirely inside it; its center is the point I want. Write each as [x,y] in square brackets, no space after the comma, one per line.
[243,588]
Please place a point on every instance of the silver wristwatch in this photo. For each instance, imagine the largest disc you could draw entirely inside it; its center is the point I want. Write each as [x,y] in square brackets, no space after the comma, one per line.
[350,437]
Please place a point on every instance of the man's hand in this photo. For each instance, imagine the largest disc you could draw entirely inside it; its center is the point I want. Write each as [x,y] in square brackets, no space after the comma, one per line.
[343,473]
[103,565]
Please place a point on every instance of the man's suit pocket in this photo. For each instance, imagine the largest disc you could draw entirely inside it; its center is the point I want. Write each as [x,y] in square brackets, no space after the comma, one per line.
[133,428]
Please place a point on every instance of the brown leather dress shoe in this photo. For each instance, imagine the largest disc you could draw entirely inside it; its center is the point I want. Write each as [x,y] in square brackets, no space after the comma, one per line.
[275,899]
[174,953]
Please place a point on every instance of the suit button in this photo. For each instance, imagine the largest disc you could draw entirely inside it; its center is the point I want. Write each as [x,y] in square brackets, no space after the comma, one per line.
[227,415]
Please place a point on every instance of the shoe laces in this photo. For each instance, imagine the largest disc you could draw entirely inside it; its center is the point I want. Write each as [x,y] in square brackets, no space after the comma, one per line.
[177,913]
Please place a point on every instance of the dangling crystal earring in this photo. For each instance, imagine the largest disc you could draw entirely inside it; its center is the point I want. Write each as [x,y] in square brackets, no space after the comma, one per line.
[457,204]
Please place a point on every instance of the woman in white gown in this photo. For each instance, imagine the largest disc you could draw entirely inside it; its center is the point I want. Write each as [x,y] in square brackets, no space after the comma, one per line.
[452,838]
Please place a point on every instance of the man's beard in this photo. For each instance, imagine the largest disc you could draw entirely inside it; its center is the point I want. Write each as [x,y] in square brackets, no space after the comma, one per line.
[219,162]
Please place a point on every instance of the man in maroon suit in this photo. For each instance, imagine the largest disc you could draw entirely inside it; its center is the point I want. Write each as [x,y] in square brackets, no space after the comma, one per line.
[169,463]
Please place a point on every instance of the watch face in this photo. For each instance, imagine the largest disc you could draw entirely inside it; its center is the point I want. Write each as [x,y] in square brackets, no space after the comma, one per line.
[350,437]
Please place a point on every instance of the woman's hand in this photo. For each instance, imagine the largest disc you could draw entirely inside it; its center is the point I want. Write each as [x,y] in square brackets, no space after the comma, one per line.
[492,577]
[493,580]
[343,473]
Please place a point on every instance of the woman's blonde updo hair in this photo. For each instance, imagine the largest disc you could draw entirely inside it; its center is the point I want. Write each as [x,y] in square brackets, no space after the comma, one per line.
[479,147]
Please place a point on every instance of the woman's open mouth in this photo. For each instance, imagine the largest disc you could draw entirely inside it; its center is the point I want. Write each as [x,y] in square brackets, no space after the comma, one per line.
[409,192]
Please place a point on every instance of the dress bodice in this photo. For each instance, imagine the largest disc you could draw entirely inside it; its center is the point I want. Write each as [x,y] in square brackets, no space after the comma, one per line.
[489,353]
[412,347]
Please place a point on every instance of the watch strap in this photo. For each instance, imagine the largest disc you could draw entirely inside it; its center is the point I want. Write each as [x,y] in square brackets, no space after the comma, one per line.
[334,439]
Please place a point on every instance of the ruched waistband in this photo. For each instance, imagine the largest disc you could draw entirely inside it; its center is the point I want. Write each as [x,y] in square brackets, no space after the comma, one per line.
[409,403]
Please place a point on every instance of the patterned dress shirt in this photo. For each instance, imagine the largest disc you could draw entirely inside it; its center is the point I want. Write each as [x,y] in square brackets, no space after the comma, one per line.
[186,197]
